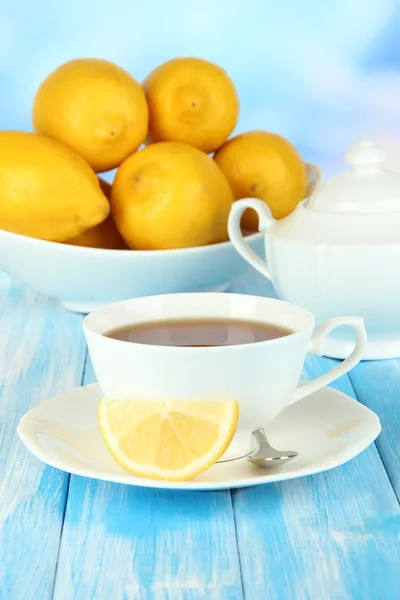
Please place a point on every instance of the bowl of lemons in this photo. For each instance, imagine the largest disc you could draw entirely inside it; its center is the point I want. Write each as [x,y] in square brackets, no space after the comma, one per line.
[161,225]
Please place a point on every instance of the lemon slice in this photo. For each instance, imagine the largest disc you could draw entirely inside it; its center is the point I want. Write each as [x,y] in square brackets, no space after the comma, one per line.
[171,440]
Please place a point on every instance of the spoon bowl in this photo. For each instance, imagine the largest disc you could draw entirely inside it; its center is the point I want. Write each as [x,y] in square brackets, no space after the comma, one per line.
[266,456]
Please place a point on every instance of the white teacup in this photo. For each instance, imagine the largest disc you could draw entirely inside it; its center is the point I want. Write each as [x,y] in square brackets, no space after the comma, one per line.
[263,376]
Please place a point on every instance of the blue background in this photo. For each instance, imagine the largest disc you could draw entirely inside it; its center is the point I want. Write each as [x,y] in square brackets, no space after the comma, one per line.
[323,74]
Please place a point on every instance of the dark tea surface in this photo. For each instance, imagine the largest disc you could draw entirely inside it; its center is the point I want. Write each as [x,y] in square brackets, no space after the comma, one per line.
[198,332]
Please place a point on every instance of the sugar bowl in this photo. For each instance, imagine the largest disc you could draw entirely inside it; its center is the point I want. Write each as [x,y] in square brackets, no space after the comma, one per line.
[338,253]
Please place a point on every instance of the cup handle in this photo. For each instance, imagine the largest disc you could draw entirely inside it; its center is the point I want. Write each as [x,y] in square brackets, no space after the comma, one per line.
[235,233]
[317,346]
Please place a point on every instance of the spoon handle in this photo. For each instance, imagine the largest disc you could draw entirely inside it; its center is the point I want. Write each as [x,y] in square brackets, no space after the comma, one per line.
[261,437]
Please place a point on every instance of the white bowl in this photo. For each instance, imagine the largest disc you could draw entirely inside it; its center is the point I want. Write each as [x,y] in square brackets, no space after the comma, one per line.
[85,278]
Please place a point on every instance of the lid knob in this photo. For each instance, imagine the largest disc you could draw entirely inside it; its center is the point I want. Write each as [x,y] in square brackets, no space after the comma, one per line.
[365,156]
[365,190]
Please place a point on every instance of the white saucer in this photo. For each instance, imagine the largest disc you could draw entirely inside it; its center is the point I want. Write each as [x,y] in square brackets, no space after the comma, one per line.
[327,429]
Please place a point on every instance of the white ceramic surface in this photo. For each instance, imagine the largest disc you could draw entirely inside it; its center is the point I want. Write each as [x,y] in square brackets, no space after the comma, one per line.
[261,376]
[339,252]
[327,429]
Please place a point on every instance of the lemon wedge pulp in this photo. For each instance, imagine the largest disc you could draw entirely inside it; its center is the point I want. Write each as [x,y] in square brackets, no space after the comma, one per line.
[171,440]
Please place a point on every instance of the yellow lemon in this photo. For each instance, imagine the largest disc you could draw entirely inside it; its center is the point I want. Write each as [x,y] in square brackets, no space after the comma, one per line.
[264,165]
[46,190]
[104,235]
[167,440]
[170,195]
[193,101]
[94,107]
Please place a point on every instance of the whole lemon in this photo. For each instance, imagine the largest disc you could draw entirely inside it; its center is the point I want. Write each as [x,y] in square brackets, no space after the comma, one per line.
[94,107]
[193,101]
[264,165]
[103,235]
[170,195]
[46,190]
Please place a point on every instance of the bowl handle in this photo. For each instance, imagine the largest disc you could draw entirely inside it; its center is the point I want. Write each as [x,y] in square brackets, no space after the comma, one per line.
[314,176]
[236,236]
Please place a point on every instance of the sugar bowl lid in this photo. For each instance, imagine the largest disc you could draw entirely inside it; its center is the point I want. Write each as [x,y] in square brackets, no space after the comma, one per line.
[366,189]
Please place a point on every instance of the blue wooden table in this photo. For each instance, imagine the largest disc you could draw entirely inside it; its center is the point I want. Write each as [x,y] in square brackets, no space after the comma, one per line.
[333,536]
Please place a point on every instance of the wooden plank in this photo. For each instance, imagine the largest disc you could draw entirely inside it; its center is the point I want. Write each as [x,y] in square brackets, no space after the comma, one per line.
[377,384]
[41,354]
[330,536]
[128,543]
